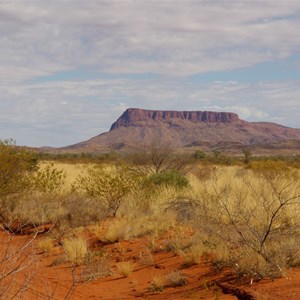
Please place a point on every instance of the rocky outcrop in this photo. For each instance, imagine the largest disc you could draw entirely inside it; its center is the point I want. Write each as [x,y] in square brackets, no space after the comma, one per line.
[184,129]
[136,117]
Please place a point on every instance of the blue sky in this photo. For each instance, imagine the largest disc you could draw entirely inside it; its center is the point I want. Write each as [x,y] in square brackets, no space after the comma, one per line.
[70,68]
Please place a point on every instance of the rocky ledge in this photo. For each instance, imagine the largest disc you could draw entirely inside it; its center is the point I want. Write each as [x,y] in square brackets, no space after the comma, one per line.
[132,116]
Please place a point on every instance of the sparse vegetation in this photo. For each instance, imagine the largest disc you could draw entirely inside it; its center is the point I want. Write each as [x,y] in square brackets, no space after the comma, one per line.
[16,261]
[46,244]
[48,180]
[95,267]
[75,249]
[252,216]
[157,284]
[172,279]
[246,214]
[193,255]
[156,158]
[125,268]
[175,278]
[15,166]
[109,184]
[169,178]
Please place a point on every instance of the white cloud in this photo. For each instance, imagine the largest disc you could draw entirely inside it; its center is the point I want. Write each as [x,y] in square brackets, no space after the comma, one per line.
[173,39]
[69,112]
[182,37]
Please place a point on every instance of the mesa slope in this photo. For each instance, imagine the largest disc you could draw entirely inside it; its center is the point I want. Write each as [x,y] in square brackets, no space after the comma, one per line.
[190,128]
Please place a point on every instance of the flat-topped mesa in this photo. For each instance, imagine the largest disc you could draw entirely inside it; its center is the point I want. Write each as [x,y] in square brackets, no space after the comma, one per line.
[132,116]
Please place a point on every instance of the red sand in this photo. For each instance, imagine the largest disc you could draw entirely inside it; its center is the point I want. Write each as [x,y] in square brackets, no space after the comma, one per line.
[54,282]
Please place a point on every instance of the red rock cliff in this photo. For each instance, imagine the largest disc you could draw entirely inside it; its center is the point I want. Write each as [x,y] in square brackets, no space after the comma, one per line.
[132,116]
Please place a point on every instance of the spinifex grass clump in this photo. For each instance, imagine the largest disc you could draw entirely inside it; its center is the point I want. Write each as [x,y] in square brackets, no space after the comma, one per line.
[75,249]
[172,279]
[125,268]
[46,244]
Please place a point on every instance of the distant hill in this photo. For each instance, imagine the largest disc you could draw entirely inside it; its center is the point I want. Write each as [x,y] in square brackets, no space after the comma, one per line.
[206,129]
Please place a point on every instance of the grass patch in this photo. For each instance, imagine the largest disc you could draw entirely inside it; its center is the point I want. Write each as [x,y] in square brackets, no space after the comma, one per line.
[125,268]
[75,249]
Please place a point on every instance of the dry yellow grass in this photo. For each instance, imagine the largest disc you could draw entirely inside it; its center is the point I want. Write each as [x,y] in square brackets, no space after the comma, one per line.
[231,203]
[193,255]
[46,244]
[72,170]
[125,268]
[75,249]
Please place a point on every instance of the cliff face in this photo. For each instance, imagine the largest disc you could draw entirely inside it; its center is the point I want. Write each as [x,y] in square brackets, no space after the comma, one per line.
[188,128]
[135,117]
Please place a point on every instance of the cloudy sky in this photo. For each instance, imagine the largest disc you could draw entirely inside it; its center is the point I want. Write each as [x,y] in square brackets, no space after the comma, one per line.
[69,68]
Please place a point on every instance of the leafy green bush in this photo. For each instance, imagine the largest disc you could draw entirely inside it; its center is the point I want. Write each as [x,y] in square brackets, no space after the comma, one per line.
[111,184]
[48,180]
[169,178]
[15,164]
[16,167]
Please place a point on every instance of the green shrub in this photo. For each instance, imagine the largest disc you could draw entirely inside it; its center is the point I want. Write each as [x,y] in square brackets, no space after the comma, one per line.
[49,180]
[169,178]
[199,155]
[16,167]
[15,164]
[111,185]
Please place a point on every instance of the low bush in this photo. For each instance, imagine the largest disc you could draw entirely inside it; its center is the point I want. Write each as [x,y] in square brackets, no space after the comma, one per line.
[80,210]
[175,278]
[97,265]
[253,216]
[172,279]
[109,185]
[185,209]
[31,209]
[16,164]
[48,180]
[168,178]
[157,284]
[193,255]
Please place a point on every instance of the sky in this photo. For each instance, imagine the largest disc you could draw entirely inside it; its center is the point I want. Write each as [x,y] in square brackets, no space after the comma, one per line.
[69,68]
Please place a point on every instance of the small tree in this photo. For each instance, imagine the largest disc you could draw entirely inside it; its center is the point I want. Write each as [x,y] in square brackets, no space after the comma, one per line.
[15,164]
[111,185]
[255,216]
[156,158]
[48,180]
[247,154]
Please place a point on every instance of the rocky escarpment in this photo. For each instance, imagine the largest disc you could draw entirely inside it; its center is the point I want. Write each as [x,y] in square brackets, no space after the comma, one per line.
[135,117]
[184,129]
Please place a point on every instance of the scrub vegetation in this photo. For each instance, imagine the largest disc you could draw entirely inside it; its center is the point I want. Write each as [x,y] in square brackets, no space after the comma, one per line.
[241,213]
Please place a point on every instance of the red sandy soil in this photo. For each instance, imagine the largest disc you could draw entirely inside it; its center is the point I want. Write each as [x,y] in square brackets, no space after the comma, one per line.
[52,281]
